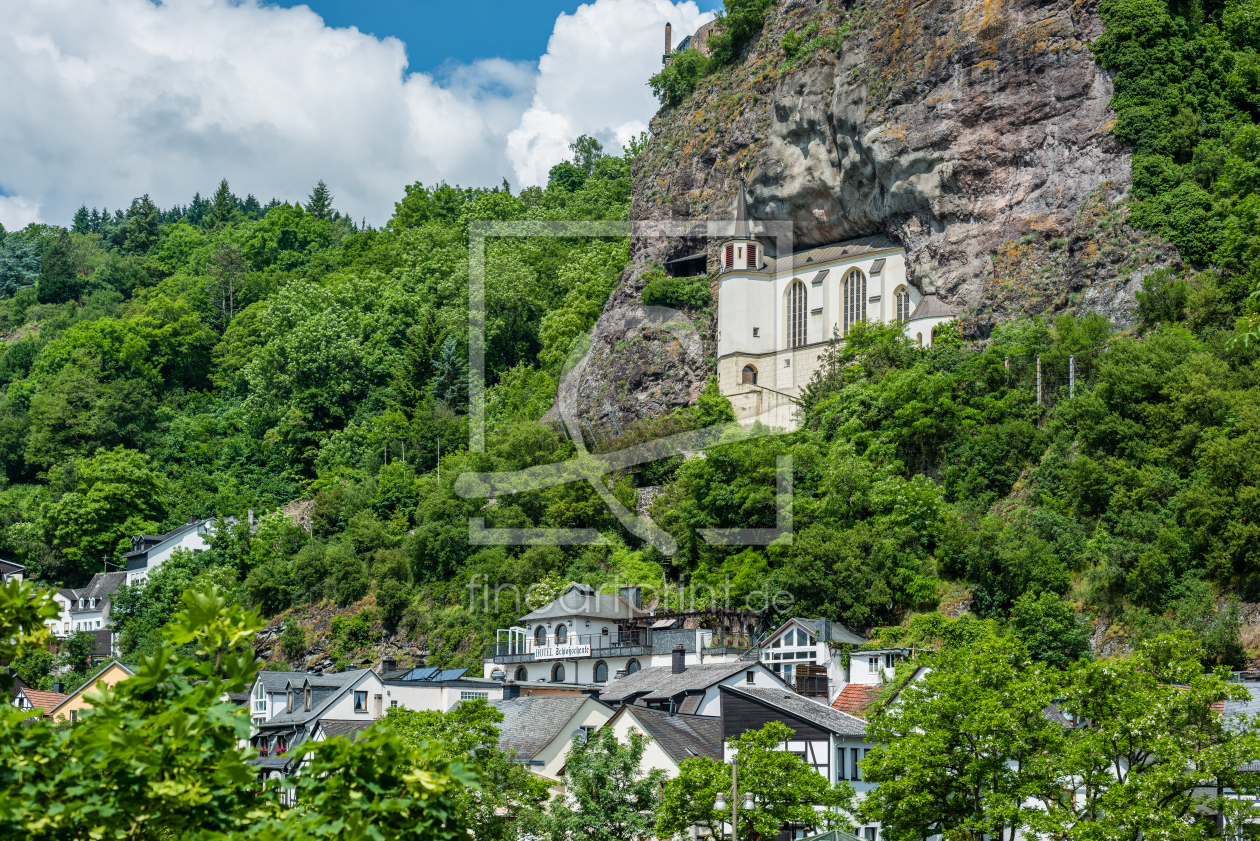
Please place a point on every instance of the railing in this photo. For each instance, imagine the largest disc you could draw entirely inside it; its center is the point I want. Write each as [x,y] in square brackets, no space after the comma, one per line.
[574,646]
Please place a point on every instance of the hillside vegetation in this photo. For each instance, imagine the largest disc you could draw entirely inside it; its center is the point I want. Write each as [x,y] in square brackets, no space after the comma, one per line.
[226,356]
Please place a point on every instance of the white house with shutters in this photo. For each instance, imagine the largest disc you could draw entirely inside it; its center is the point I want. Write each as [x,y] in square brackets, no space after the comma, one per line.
[777,313]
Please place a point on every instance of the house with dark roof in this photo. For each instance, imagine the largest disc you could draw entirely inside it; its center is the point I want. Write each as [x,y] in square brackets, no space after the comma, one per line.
[588,638]
[538,730]
[148,551]
[691,690]
[88,609]
[673,737]
[10,571]
[268,696]
[831,741]
[811,655]
[309,701]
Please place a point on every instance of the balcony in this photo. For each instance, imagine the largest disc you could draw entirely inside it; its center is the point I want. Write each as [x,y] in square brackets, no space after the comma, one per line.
[576,647]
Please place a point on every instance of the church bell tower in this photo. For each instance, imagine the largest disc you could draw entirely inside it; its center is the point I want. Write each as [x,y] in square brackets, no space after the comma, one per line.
[742,251]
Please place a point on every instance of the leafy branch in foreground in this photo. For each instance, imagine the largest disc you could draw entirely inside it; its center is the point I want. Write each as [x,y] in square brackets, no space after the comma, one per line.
[160,754]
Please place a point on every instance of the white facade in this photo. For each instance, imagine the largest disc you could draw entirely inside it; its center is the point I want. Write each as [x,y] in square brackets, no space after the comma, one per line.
[439,695]
[777,313]
[149,551]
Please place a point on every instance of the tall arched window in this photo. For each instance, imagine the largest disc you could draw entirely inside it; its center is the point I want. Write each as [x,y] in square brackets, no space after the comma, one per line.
[797,312]
[749,375]
[854,295]
[557,674]
[522,673]
[632,667]
[902,297]
[540,636]
[562,634]
[601,672]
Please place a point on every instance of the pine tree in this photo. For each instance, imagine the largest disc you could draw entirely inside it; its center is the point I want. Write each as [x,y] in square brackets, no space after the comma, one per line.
[251,208]
[141,231]
[197,209]
[319,203]
[82,220]
[58,280]
[223,210]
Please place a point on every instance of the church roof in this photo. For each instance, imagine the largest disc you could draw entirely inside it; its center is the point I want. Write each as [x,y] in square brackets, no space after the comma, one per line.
[829,253]
[931,307]
[741,213]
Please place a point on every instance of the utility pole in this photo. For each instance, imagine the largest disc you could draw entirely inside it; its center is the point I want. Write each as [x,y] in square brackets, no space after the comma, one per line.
[734,796]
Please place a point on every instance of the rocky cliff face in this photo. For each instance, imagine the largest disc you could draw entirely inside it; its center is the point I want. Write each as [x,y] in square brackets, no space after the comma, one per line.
[973,132]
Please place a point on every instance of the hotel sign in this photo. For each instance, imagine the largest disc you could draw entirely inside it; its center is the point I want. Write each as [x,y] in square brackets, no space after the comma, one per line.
[560,652]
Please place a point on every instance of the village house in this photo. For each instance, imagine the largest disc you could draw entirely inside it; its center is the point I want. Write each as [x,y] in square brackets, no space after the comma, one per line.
[10,571]
[589,638]
[691,690]
[831,741]
[538,730]
[811,653]
[148,551]
[673,737]
[36,701]
[110,674]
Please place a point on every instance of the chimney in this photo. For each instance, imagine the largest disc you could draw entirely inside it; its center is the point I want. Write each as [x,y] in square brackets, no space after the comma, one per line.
[633,596]
[388,664]
[679,660]
[59,688]
[191,519]
[669,38]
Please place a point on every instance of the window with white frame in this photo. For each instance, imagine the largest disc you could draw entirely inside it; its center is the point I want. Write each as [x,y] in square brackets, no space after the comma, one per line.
[872,664]
[471,695]
[794,647]
[260,698]
[360,702]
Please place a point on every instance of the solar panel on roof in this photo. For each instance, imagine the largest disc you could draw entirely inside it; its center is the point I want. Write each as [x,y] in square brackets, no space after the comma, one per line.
[451,674]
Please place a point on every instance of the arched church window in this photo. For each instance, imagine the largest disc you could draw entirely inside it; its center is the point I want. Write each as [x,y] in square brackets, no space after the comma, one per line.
[797,311]
[854,294]
[749,375]
[919,338]
[902,297]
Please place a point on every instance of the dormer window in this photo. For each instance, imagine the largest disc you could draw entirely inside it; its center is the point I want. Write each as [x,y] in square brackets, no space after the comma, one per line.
[290,702]
[308,699]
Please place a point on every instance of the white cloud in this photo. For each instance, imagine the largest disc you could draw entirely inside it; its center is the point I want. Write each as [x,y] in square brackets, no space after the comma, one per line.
[107,99]
[16,212]
[593,79]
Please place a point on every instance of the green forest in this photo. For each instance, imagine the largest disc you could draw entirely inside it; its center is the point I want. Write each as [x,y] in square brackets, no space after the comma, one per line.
[228,356]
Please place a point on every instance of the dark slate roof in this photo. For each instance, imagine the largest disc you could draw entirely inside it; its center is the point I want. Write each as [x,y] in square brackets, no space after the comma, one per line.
[531,723]
[143,543]
[806,709]
[576,602]
[8,567]
[681,736]
[660,682]
[931,307]
[279,681]
[272,763]
[338,682]
[341,727]
[102,586]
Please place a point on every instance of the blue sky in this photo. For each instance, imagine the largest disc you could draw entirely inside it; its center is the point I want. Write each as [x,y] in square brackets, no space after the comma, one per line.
[436,33]
[108,100]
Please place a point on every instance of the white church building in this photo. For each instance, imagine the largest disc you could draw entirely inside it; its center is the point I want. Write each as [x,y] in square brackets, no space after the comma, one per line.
[776,314]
